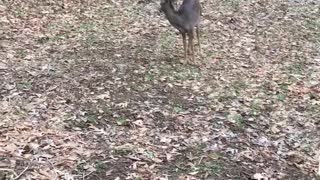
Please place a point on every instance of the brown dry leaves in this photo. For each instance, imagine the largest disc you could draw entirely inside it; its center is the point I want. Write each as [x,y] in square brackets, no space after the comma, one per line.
[94,89]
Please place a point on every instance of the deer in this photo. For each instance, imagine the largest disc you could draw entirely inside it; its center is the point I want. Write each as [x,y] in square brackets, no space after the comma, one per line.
[185,19]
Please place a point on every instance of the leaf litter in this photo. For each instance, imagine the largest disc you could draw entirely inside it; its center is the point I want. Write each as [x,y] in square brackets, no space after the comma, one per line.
[88,92]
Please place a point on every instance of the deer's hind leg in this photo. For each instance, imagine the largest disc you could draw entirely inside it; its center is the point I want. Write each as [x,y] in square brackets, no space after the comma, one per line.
[198,37]
[184,40]
[190,44]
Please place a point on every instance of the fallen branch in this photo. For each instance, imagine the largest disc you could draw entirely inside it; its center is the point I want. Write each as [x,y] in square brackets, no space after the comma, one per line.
[17,177]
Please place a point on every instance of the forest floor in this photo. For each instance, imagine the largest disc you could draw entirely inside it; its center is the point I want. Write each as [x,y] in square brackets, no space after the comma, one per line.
[97,90]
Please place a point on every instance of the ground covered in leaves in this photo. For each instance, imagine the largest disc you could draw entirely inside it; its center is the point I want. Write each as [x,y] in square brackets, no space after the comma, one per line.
[95,90]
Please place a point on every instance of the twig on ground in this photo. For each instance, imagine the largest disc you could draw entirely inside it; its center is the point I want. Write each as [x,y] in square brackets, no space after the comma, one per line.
[87,175]
[17,177]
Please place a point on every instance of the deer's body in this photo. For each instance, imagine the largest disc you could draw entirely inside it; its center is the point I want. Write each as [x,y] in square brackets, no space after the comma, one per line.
[185,19]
